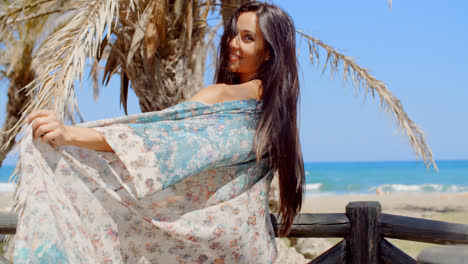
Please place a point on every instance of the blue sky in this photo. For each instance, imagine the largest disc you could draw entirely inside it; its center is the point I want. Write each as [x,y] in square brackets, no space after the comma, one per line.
[417,48]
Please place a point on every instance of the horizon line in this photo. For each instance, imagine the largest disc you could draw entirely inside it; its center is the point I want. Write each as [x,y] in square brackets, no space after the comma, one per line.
[402,160]
[342,161]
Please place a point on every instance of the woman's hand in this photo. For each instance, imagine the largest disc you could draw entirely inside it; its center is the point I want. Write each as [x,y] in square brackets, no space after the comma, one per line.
[46,125]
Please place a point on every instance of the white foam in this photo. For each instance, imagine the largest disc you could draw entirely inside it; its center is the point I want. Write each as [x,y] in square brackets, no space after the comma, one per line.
[6,188]
[313,186]
[320,194]
[419,188]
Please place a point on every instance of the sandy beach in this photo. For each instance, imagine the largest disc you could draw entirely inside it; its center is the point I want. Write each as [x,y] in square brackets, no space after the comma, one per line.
[4,202]
[416,205]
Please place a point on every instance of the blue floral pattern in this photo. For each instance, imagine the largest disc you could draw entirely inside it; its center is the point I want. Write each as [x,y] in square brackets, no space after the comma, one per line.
[183,186]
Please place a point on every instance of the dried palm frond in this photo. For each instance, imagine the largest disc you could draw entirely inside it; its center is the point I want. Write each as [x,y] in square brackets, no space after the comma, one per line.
[362,79]
[16,53]
[20,11]
[63,58]
[23,22]
[140,33]
[160,50]
[155,33]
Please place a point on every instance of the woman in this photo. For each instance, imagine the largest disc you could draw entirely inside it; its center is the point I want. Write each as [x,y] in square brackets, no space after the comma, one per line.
[187,184]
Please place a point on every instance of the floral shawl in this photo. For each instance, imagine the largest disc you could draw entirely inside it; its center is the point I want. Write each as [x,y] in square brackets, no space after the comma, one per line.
[183,186]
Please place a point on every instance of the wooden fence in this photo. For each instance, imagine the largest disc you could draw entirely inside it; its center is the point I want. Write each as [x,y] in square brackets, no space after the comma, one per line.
[364,229]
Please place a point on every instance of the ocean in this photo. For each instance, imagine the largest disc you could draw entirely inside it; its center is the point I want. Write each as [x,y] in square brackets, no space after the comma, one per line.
[340,178]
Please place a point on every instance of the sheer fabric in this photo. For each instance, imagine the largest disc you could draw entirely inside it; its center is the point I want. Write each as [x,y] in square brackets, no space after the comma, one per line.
[182,187]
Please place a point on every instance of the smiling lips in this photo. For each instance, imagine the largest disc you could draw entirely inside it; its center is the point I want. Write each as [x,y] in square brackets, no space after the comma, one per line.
[233,57]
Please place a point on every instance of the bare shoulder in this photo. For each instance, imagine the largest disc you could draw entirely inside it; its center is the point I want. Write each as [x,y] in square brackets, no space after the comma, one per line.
[211,94]
[221,92]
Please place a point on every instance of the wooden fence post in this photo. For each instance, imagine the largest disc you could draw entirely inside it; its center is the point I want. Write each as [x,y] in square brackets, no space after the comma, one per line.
[363,242]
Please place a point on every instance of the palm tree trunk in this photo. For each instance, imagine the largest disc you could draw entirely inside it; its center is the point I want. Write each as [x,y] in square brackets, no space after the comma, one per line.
[16,102]
[172,78]
[19,78]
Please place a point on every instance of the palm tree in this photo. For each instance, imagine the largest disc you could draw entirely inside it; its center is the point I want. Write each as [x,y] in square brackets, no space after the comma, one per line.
[18,43]
[159,48]
[19,73]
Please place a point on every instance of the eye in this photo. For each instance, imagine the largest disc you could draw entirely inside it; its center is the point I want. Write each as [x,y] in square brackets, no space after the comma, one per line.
[249,37]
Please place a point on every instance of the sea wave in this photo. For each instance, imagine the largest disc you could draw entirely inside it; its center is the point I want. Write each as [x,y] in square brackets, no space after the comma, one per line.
[313,186]
[419,188]
[5,188]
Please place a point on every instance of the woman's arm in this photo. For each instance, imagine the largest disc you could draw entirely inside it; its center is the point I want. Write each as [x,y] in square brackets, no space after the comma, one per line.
[46,125]
[88,138]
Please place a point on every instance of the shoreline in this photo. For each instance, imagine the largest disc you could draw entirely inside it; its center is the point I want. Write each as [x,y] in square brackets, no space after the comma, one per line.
[5,201]
[408,204]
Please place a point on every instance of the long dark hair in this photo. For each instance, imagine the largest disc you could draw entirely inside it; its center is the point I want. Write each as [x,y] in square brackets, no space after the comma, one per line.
[277,135]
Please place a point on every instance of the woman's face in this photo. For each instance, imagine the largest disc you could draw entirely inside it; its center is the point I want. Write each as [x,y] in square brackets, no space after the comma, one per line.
[247,49]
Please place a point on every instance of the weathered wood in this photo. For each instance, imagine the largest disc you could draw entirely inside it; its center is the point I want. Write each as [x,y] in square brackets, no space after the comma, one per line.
[3,260]
[444,255]
[394,255]
[8,222]
[363,242]
[423,230]
[334,255]
[315,225]
[307,219]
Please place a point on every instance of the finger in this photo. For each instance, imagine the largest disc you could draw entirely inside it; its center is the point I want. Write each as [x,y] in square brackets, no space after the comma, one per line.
[36,114]
[44,129]
[40,131]
[41,121]
[50,136]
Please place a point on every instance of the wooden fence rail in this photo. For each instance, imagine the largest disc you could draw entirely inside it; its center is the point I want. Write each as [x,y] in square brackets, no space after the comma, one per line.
[363,229]
[8,223]
[422,230]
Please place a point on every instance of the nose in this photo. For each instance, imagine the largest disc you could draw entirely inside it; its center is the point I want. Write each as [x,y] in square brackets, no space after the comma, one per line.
[234,44]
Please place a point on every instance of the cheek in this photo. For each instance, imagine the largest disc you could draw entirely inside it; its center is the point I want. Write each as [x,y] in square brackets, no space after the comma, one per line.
[256,62]
[253,58]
